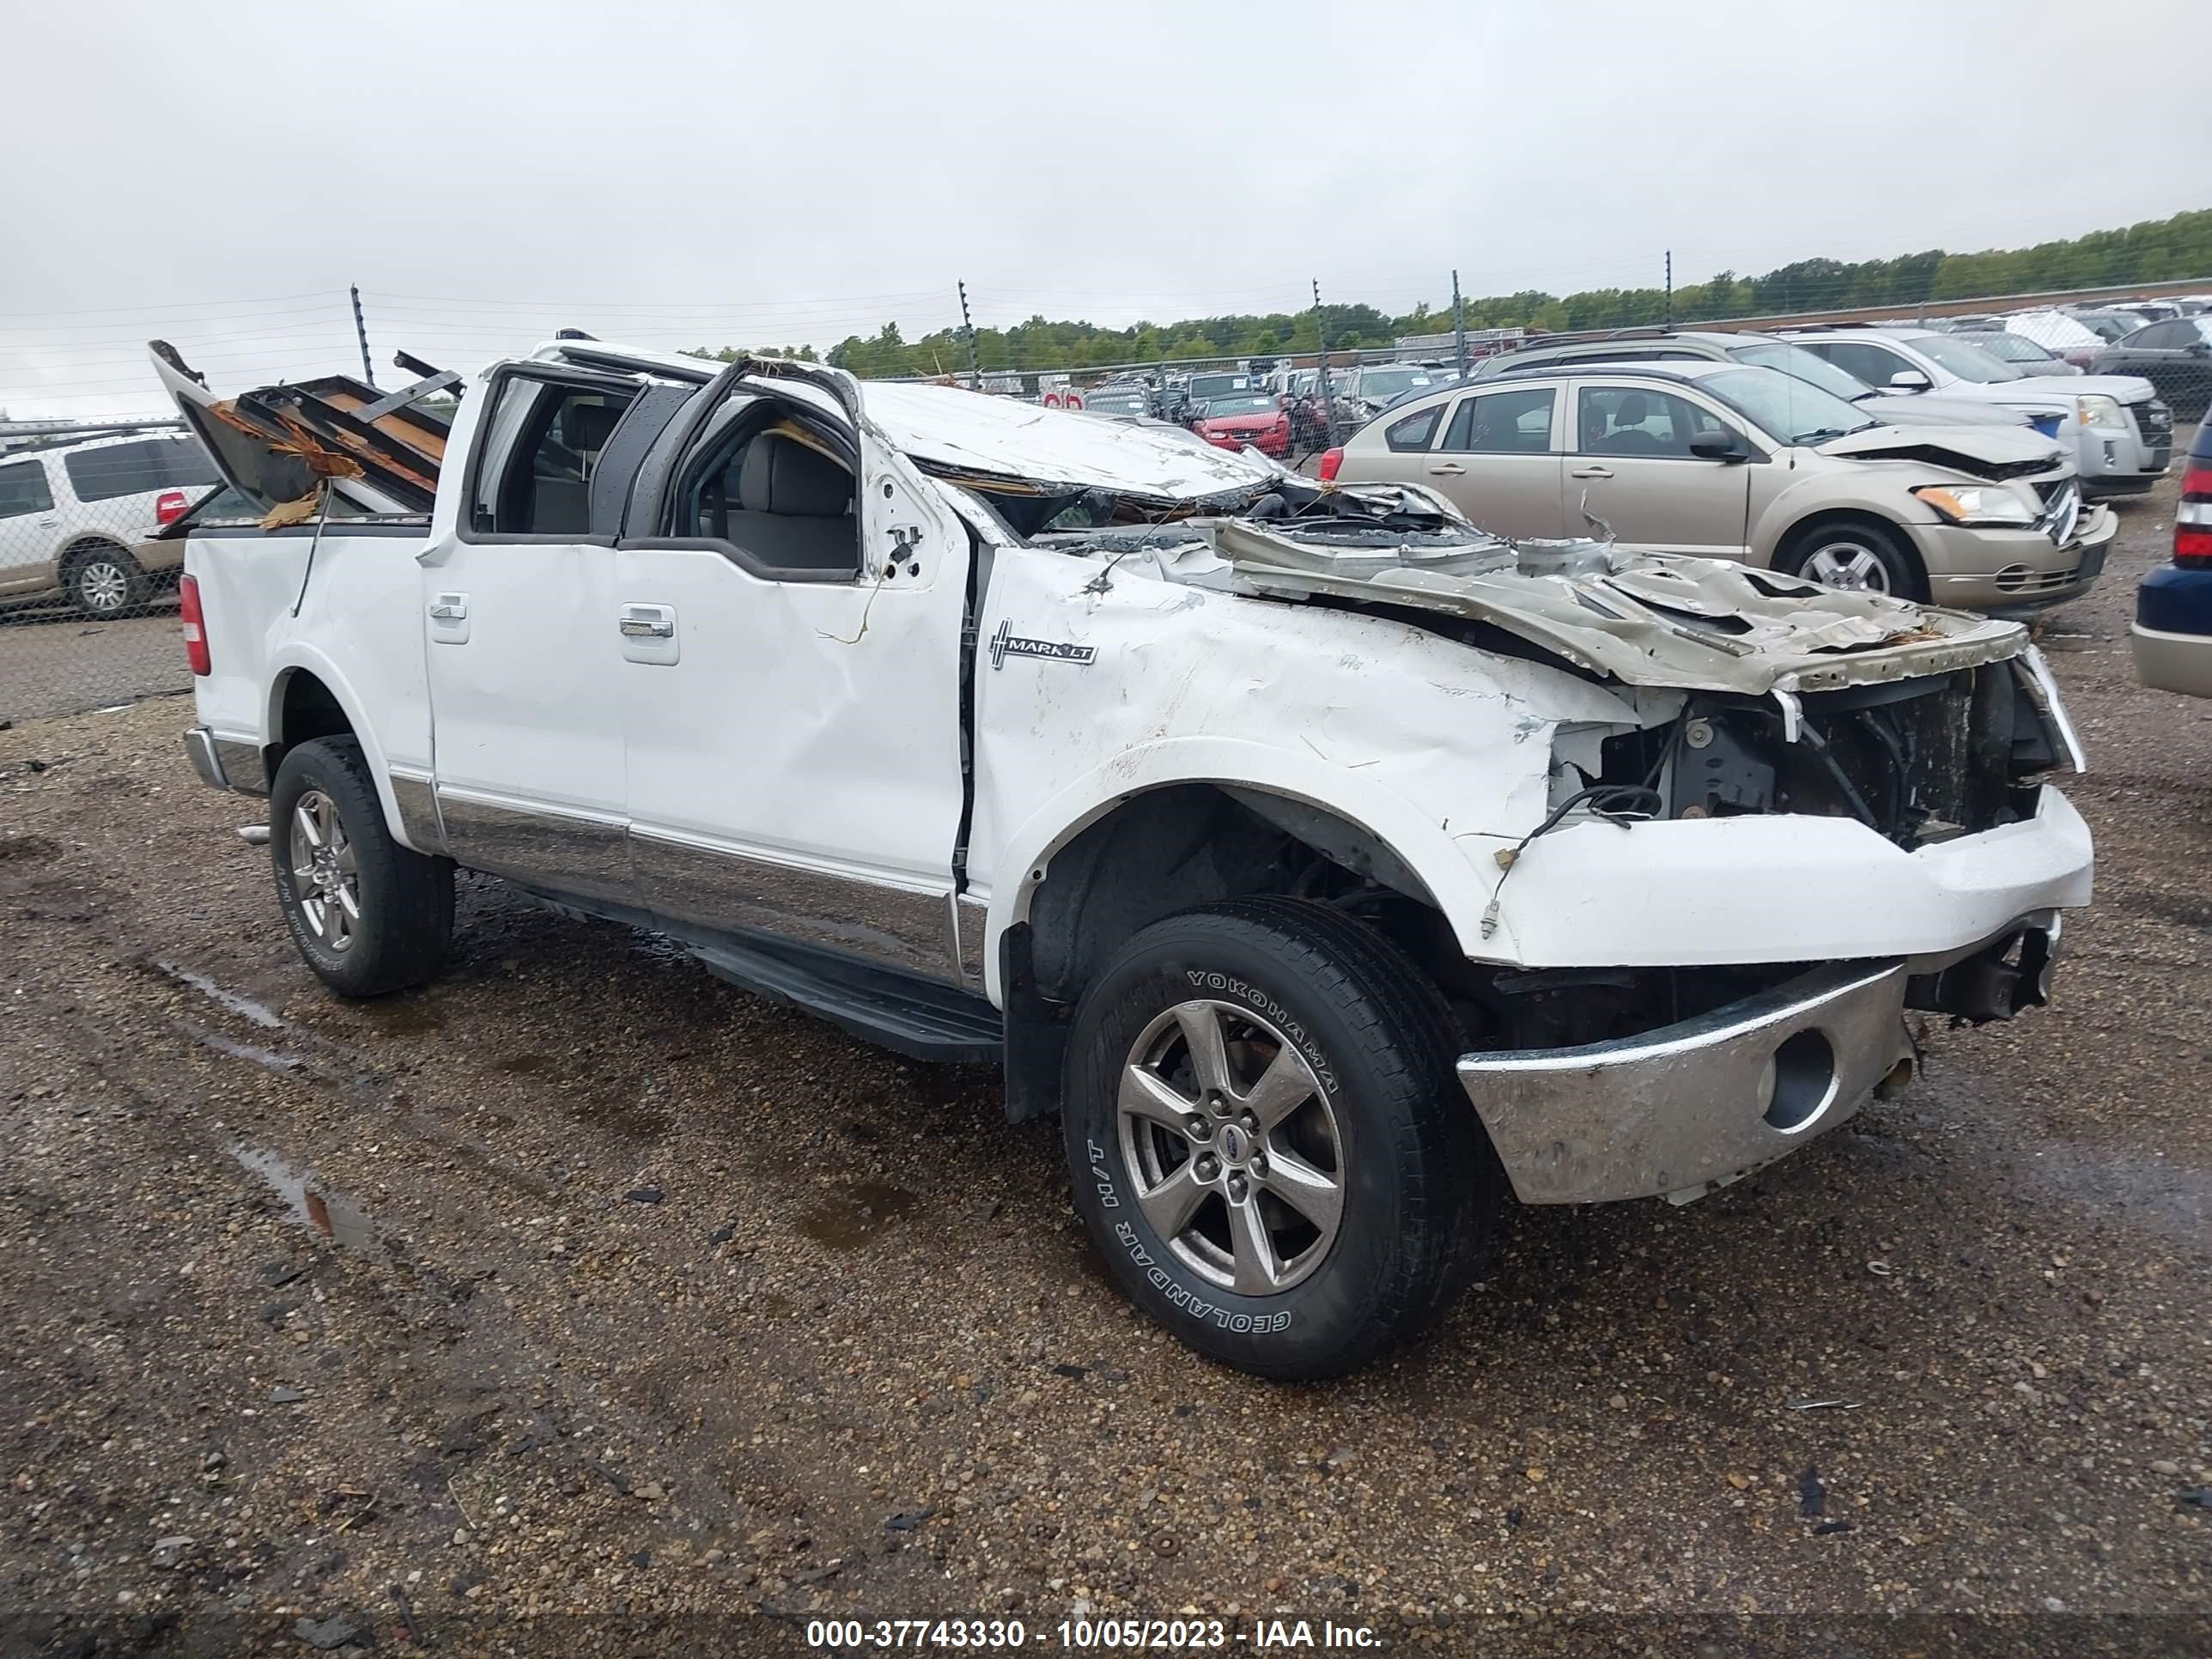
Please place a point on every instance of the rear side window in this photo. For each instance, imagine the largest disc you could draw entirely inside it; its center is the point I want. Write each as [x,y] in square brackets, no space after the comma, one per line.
[1503,423]
[1415,431]
[23,489]
[541,444]
[1871,363]
[138,468]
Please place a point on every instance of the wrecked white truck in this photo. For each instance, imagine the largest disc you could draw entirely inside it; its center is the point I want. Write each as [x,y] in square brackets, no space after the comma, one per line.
[1331,868]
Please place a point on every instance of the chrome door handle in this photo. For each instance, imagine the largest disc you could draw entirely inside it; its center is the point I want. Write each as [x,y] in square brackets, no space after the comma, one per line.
[450,607]
[1446,469]
[1591,472]
[647,621]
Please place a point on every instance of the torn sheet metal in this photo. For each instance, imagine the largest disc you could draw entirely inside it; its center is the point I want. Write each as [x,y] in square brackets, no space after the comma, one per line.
[1643,619]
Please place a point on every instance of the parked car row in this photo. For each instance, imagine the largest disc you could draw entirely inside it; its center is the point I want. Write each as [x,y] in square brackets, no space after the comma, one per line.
[1731,460]
[75,519]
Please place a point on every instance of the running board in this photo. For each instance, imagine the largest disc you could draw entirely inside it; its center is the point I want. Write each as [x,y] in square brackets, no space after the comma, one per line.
[922,1018]
[917,1017]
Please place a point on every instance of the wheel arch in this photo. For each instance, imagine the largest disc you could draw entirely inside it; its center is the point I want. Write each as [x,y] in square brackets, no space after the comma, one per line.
[309,697]
[1838,517]
[1178,842]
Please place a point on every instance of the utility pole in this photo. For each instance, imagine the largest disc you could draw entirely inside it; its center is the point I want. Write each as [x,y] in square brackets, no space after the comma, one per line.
[360,333]
[968,328]
[1668,321]
[1327,398]
[1459,329]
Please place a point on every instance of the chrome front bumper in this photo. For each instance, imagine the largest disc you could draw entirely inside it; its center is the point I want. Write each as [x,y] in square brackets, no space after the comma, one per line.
[1676,1110]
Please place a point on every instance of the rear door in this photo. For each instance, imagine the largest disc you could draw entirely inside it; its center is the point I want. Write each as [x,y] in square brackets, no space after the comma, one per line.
[790,684]
[1632,467]
[30,522]
[524,644]
[1498,459]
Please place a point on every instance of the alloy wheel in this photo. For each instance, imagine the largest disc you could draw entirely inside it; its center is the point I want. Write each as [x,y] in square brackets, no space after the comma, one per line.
[324,878]
[102,585]
[1852,565]
[1233,1146]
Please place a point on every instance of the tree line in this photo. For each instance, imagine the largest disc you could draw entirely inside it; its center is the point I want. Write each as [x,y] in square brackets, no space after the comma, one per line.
[2156,251]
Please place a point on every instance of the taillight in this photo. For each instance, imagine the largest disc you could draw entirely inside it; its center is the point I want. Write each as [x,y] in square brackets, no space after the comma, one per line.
[1330,460]
[169,506]
[188,611]
[2192,518]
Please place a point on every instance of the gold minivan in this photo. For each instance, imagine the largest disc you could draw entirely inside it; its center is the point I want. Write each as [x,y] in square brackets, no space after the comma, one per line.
[1728,460]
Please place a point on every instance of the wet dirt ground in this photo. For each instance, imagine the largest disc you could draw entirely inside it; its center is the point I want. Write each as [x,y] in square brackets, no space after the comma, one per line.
[583,1303]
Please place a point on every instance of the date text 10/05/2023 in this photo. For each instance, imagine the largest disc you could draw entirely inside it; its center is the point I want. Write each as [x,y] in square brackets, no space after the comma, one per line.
[1087,1635]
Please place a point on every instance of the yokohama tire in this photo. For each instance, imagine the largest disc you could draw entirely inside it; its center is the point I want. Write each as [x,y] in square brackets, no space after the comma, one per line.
[390,928]
[1418,1193]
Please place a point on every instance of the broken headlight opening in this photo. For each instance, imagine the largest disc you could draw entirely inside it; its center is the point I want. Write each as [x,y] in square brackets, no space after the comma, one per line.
[1918,760]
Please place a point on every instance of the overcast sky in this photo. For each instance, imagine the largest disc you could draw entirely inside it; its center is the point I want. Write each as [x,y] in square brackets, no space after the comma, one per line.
[219,171]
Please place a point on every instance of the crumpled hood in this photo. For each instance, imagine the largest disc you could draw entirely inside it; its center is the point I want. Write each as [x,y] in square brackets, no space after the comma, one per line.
[1975,449]
[973,435]
[1641,619]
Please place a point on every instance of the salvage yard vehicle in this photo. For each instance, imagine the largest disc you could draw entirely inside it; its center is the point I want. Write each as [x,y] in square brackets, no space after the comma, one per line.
[1257,418]
[2171,635]
[1733,461]
[70,515]
[2121,434]
[1331,868]
[2175,356]
[1668,345]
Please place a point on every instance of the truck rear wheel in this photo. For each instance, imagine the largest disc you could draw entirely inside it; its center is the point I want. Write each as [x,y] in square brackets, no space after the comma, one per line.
[1267,1139]
[368,914]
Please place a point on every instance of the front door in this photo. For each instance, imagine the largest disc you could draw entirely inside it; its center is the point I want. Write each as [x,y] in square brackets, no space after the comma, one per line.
[523,646]
[1631,469]
[791,688]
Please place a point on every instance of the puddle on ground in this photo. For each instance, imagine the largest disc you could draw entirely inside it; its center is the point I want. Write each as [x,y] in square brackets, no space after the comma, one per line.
[332,1214]
[281,1064]
[776,1305]
[856,1213]
[244,1007]
[530,1065]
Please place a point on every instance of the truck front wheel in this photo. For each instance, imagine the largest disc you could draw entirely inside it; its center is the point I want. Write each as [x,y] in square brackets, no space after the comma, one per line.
[1267,1139]
[368,914]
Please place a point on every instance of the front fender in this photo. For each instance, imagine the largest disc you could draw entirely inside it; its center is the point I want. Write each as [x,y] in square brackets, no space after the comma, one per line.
[1460,886]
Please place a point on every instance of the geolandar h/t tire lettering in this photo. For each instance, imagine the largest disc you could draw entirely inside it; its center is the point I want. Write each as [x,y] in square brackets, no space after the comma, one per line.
[368,914]
[1266,1141]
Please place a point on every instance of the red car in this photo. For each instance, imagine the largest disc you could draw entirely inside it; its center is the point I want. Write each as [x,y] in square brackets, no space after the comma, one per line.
[1255,418]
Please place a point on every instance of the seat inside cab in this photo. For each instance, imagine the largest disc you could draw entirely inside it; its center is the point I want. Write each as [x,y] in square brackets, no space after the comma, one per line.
[784,502]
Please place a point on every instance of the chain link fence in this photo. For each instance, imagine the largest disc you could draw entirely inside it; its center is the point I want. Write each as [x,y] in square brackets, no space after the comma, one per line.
[92,519]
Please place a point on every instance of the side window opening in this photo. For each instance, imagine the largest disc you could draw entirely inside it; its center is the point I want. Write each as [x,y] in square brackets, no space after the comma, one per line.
[23,488]
[1415,431]
[544,442]
[779,492]
[1504,423]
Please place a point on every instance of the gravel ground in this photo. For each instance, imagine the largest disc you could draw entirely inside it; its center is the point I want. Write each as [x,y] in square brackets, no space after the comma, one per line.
[54,661]
[584,1302]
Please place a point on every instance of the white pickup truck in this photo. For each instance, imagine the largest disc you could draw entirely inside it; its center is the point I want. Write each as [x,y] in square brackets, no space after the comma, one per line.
[1331,867]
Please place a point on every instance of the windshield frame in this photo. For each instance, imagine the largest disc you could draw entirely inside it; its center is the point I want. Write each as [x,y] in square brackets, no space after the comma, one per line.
[1959,358]
[1255,402]
[1814,363]
[1841,416]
